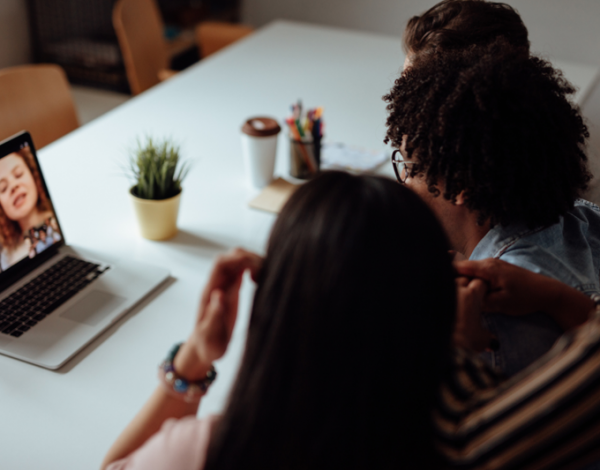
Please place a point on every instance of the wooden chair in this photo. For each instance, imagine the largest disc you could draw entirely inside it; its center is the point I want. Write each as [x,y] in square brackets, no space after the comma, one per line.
[36,98]
[212,36]
[139,29]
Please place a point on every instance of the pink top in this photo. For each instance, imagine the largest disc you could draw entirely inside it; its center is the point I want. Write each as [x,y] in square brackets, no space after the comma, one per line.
[180,444]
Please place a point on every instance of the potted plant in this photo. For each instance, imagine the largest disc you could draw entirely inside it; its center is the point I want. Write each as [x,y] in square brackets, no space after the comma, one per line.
[158,172]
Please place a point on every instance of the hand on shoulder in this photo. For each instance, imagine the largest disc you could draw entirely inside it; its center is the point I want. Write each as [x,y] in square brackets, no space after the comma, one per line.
[516,291]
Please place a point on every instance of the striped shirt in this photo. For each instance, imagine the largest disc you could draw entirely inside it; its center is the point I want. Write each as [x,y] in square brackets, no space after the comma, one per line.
[547,416]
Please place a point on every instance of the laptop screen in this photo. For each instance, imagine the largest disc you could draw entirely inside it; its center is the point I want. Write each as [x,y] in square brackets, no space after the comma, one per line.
[28,225]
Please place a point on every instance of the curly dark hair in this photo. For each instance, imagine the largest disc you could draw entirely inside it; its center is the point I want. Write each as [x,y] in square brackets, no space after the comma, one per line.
[456,24]
[497,124]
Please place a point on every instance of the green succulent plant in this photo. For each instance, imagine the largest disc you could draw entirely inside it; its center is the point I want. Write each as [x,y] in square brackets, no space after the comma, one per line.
[157,169]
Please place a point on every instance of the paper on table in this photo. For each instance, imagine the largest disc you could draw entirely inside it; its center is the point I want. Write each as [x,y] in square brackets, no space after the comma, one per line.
[273,197]
[345,157]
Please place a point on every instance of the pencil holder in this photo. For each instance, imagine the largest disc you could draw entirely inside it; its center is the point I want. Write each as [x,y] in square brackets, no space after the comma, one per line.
[305,158]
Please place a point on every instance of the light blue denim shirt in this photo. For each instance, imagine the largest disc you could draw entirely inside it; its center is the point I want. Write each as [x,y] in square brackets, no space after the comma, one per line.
[568,251]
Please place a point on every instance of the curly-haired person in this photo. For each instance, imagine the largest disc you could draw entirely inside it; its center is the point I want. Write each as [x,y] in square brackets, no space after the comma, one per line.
[493,145]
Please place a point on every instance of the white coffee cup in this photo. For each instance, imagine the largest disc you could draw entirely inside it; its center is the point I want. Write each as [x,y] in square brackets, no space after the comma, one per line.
[259,149]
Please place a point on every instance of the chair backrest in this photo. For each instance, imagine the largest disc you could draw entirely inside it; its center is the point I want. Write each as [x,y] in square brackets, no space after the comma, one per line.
[36,98]
[212,36]
[139,29]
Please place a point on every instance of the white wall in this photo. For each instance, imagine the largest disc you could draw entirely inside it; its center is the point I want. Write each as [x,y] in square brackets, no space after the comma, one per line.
[562,29]
[565,29]
[14,33]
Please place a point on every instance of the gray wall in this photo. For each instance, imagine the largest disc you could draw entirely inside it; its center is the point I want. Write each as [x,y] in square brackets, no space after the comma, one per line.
[563,29]
[14,33]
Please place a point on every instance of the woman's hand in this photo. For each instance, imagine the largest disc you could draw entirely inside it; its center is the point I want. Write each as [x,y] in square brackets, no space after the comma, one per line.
[208,342]
[217,314]
[512,290]
[516,291]
[468,331]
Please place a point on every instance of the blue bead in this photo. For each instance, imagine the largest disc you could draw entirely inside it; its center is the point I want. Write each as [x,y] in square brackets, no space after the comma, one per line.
[180,386]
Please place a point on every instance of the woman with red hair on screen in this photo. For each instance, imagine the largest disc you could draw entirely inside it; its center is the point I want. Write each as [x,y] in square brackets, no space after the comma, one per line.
[24,205]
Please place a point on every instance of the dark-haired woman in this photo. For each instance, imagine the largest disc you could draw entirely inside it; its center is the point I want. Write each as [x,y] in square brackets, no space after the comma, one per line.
[348,344]
[349,329]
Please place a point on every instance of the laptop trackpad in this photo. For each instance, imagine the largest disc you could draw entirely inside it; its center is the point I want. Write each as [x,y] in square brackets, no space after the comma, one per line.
[94,307]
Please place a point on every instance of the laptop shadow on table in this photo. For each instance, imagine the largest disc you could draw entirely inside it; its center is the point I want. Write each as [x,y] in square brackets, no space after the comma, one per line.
[81,355]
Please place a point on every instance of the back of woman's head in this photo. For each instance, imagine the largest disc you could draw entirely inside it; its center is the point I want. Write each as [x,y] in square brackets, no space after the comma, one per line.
[350,324]
[455,24]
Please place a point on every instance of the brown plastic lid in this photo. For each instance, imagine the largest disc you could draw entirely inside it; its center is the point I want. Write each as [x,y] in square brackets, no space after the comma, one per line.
[261,127]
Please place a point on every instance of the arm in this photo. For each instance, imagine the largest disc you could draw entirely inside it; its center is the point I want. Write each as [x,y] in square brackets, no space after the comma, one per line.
[483,415]
[488,423]
[517,291]
[207,343]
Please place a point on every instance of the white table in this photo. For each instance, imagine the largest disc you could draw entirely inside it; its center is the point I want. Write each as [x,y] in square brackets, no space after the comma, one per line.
[68,419]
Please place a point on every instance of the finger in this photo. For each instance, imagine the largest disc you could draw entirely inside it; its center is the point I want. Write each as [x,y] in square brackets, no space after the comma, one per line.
[488,269]
[256,263]
[228,270]
[475,293]
[470,297]
[214,307]
[478,288]
[217,302]
[224,313]
[231,311]
[468,268]
[237,259]
[229,266]
[230,300]
[210,335]
[462,281]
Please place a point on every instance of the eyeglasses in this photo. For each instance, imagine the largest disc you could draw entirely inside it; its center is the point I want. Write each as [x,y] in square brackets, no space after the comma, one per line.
[403,169]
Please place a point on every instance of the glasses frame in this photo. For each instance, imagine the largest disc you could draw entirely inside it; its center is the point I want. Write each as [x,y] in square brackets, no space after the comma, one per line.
[400,165]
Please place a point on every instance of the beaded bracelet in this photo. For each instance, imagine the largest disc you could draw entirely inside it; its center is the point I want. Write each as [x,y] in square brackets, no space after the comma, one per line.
[177,386]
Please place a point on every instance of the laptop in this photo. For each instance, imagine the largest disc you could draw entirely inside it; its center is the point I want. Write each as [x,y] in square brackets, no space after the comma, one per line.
[54,298]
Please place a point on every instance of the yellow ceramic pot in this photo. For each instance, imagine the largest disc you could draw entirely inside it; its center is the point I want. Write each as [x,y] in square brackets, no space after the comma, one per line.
[157,218]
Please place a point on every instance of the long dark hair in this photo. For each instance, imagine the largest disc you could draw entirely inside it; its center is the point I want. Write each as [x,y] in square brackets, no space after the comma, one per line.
[350,326]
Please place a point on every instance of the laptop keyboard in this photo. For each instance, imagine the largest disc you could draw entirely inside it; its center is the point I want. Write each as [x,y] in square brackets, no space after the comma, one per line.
[42,295]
